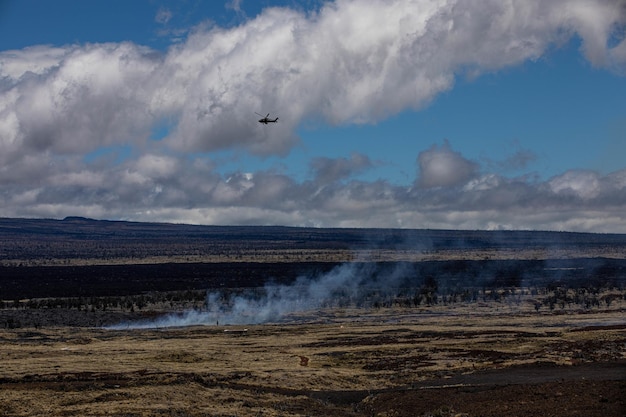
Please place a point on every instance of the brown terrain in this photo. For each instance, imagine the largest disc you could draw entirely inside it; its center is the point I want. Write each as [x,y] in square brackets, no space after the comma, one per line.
[474,362]
[479,324]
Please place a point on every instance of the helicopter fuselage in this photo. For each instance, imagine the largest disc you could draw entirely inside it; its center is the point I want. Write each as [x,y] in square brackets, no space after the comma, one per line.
[267,119]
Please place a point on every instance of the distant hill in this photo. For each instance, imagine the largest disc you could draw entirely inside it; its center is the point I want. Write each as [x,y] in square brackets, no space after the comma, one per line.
[83,238]
[77,238]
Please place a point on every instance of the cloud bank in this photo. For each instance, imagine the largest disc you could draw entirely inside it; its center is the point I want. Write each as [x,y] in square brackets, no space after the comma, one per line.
[122,131]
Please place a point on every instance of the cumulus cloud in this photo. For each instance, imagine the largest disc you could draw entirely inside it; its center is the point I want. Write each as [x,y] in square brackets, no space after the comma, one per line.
[440,166]
[350,61]
[582,184]
[74,100]
[161,189]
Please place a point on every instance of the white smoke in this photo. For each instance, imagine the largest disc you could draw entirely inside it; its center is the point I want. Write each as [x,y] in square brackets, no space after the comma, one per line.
[346,284]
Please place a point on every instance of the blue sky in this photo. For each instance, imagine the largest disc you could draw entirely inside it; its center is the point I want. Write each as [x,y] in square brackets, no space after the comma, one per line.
[395,113]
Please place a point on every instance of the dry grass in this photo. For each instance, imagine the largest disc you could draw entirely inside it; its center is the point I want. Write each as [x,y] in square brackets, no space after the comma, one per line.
[337,255]
[323,363]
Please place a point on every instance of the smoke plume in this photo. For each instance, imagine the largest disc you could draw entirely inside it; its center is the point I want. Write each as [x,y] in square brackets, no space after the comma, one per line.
[347,284]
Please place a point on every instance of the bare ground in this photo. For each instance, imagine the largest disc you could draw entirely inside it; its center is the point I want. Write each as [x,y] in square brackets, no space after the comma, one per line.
[442,361]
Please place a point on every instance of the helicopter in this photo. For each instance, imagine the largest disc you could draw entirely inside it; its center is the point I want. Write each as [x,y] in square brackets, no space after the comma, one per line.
[266,119]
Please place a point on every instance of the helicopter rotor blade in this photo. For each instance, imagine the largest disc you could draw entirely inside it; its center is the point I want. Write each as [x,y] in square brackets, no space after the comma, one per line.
[258,114]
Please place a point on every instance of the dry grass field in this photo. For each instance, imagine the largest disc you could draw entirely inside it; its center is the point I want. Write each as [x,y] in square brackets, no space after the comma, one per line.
[479,359]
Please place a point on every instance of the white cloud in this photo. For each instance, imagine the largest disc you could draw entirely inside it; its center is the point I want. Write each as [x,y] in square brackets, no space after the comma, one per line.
[327,170]
[352,61]
[443,167]
[157,166]
[163,16]
[91,97]
[485,182]
[594,22]
[35,60]
[160,189]
[234,5]
[583,184]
